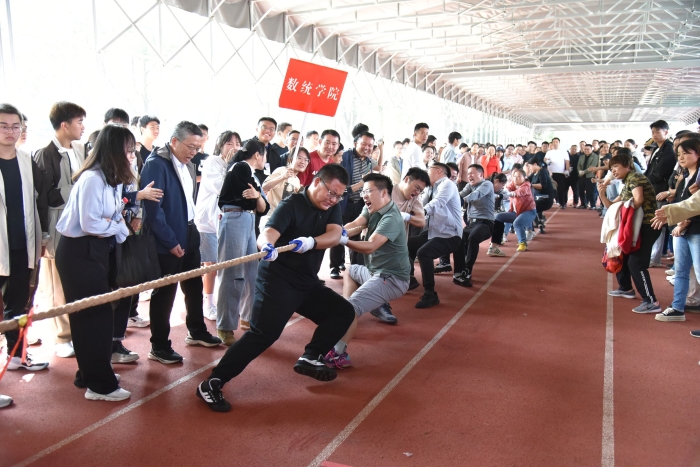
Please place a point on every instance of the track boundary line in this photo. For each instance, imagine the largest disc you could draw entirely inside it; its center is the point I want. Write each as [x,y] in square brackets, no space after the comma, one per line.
[376,400]
[608,441]
[41,454]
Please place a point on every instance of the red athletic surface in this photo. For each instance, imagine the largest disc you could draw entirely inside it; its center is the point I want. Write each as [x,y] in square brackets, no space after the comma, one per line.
[517,381]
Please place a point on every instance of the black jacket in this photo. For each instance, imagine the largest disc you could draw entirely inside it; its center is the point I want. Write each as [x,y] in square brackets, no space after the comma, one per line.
[661,166]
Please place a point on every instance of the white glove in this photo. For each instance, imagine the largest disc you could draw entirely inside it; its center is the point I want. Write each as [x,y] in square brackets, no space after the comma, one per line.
[303,244]
[271,252]
[566,173]
[344,238]
[406,216]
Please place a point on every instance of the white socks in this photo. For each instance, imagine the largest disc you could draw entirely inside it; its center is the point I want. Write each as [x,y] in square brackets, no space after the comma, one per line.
[340,347]
[208,300]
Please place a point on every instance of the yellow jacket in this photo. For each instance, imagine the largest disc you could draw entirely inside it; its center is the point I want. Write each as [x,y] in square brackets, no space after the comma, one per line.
[678,212]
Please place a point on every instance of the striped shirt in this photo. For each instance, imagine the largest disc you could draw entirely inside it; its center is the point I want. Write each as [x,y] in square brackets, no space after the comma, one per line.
[360,168]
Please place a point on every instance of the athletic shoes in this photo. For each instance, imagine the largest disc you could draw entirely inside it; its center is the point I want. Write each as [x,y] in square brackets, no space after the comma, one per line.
[226,337]
[522,246]
[16,363]
[443,267]
[670,272]
[210,392]
[114,396]
[210,312]
[207,340]
[647,307]
[505,238]
[335,273]
[529,235]
[695,333]
[5,401]
[622,293]
[428,299]
[342,267]
[138,322]
[656,265]
[413,283]
[335,360]
[384,313]
[669,314]
[463,279]
[167,356]
[315,368]
[495,251]
[64,350]
[145,296]
[121,354]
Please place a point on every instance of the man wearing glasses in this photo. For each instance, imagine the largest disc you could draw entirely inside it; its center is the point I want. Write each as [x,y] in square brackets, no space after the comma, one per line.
[311,221]
[326,149]
[171,222]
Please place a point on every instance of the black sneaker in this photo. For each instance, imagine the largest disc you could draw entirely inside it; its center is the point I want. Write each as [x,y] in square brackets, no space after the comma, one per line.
[384,313]
[335,273]
[206,340]
[413,283]
[341,267]
[210,392]
[695,333]
[443,267]
[462,279]
[167,356]
[121,354]
[428,299]
[315,368]
[692,309]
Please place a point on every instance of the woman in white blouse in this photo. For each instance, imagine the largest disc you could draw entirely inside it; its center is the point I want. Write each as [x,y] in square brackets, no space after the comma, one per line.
[92,225]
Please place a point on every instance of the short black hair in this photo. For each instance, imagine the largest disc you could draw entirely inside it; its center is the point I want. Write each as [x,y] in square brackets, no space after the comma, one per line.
[445,169]
[500,177]
[588,145]
[364,133]
[545,142]
[452,166]
[146,119]
[431,139]
[683,132]
[478,168]
[426,146]
[416,173]
[267,119]
[398,142]
[420,125]
[310,133]
[463,145]
[10,109]
[659,125]
[405,140]
[293,132]
[556,139]
[65,112]
[382,182]
[631,141]
[517,166]
[452,137]
[330,132]
[118,115]
[511,146]
[283,126]
[203,127]
[135,120]
[330,172]
[531,142]
[359,128]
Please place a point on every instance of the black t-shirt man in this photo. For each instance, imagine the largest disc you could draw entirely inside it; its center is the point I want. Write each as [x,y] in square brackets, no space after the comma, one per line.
[12,177]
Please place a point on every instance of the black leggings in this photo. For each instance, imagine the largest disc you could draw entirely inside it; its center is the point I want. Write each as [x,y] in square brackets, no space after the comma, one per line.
[635,266]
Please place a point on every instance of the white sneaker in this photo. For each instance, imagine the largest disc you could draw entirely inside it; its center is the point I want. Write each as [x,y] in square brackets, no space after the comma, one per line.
[670,272]
[210,312]
[495,251]
[5,401]
[529,235]
[505,238]
[114,396]
[145,296]
[64,350]
[16,363]
[138,322]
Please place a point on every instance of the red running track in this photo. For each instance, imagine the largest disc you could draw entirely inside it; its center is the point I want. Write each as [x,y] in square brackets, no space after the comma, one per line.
[510,372]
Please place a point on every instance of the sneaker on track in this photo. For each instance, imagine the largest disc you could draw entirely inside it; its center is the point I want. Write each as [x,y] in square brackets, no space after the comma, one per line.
[121,354]
[647,307]
[137,322]
[167,356]
[522,246]
[443,267]
[226,337]
[413,283]
[315,368]
[695,333]
[210,312]
[669,314]
[335,360]
[495,251]
[428,300]
[670,272]
[5,401]
[384,313]
[114,396]
[206,340]
[210,392]
[463,279]
[16,363]
[622,293]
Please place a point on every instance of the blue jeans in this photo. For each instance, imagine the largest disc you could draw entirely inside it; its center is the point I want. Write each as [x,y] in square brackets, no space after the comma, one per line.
[236,284]
[687,255]
[522,222]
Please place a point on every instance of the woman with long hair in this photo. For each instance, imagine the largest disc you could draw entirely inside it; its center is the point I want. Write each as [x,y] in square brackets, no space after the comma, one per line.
[241,197]
[91,226]
[207,212]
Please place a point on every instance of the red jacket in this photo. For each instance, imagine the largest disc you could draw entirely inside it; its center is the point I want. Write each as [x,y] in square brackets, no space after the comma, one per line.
[629,223]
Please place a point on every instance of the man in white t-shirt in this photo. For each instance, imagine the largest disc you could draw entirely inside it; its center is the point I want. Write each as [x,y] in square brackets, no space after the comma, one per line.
[413,154]
[558,162]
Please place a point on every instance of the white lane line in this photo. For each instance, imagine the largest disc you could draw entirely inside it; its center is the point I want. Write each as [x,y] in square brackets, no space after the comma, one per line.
[608,454]
[343,435]
[125,410]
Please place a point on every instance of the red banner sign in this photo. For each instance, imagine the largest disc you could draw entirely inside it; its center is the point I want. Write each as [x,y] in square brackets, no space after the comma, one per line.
[312,88]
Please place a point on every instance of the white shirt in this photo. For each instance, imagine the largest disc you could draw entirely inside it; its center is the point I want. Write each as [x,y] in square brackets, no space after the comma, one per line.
[412,157]
[556,158]
[74,163]
[187,186]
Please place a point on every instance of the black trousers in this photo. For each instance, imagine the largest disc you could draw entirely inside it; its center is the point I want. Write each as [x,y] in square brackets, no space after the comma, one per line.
[541,205]
[477,231]
[562,188]
[122,313]
[337,254]
[84,265]
[427,250]
[572,182]
[15,293]
[586,191]
[275,302]
[163,298]
[635,266]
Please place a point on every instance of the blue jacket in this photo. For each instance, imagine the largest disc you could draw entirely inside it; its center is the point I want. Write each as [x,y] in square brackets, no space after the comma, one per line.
[166,219]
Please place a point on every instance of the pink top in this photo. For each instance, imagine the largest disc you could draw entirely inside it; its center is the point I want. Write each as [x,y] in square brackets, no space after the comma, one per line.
[521,197]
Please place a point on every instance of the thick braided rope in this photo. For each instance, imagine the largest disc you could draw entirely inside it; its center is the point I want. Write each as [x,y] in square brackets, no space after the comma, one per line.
[118,294]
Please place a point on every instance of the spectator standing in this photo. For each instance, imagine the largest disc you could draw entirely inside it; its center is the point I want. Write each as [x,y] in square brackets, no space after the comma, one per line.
[490,162]
[311,141]
[572,179]
[330,141]
[412,156]
[292,142]
[586,183]
[449,154]
[558,163]
[149,127]
[279,144]
[392,167]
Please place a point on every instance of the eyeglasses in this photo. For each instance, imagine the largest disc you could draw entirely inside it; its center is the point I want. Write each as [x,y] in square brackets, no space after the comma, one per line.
[332,196]
[367,192]
[10,129]
[267,128]
[191,148]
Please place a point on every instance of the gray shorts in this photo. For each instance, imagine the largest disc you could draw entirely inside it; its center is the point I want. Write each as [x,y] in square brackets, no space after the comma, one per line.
[375,290]
[208,247]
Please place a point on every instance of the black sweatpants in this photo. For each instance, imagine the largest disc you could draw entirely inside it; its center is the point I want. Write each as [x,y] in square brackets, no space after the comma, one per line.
[275,302]
[542,205]
[586,191]
[427,250]
[572,182]
[562,188]
[122,313]
[84,265]
[337,254]
[15,293]
[635,266]
[163,298]
[477,231]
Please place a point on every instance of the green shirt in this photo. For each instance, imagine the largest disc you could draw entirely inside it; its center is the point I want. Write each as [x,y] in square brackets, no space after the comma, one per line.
[633,180]
[392,257]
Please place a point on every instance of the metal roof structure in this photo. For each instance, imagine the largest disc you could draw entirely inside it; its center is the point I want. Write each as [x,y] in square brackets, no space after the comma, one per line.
[536,62]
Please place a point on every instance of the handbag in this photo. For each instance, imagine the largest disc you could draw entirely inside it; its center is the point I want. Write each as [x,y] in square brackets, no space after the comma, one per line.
[137,259]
